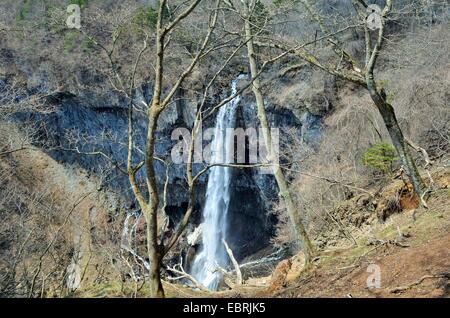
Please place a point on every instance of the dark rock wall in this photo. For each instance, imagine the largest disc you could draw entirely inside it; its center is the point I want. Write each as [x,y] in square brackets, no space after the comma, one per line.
[88,122]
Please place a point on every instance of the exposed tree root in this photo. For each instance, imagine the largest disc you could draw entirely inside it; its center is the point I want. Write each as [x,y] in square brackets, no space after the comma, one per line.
[401,289]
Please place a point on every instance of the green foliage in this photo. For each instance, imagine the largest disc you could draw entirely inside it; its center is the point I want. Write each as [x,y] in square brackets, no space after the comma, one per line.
[279,3]
[382,84]
[88,44]
[25,10]
[70,41]
[147,17]
[294,60]
[381,156]
[81,3]
[391,97]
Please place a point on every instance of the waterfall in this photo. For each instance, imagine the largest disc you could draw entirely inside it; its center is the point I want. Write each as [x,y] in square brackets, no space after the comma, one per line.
[212,253]
[127,237]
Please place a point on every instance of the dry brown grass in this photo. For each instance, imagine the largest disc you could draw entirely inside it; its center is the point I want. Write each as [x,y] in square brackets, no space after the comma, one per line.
[415,72]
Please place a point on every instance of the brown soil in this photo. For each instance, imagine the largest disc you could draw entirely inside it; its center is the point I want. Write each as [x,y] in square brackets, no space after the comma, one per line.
[399,267]
[411,249]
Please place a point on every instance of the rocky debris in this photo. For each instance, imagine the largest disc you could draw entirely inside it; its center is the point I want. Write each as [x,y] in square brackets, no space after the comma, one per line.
[278,279]
[396,198]
[194,238]
[262,263]
[298,263]
[365,210]
[286,271]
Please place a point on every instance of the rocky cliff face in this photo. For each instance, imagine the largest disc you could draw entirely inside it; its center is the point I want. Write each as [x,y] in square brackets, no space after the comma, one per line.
[86,122]
[299,117]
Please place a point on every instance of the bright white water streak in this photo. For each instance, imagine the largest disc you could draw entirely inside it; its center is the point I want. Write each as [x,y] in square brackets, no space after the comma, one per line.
[217,199]
[127,238]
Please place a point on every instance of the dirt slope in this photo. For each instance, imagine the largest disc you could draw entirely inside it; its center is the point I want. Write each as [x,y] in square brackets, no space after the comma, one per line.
[411,250]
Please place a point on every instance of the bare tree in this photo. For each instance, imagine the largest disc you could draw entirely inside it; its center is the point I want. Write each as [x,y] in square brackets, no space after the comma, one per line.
[346,66]
[14,98]
[247,11]
[150,205]
[164,91]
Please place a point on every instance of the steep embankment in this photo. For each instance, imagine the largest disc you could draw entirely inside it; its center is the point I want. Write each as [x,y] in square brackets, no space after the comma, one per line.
[62,214]
[410,249]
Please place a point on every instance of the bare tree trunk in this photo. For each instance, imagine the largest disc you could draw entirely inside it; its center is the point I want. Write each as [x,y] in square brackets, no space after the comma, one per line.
[155,250]
[151,211]
[386,110]
[234,262]
[398,140]
[156,288]
[293,213]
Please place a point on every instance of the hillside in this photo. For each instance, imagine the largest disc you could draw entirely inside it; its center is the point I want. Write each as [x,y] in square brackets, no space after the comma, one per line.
[410,248]
[224,149]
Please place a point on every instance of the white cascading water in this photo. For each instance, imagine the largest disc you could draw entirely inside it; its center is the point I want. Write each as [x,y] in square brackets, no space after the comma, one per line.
[214,229]
[127,237]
